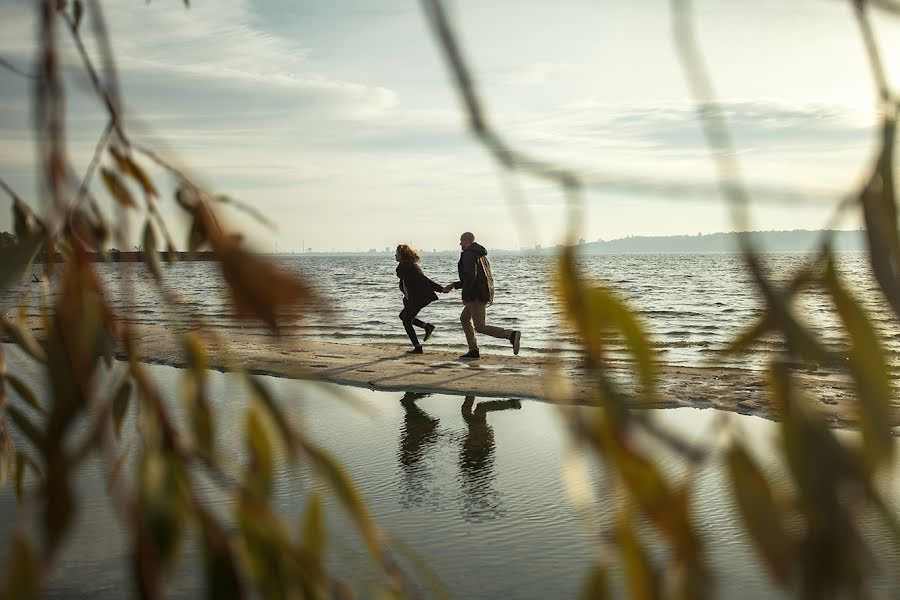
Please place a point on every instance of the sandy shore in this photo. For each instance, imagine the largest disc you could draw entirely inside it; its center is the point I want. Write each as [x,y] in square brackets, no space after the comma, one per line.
[388,367]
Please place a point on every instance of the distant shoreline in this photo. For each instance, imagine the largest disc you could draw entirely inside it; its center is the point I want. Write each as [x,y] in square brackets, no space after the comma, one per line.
[131,257]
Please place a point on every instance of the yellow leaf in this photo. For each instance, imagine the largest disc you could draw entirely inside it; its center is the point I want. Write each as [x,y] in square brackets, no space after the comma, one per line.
[869,370]
[760,513]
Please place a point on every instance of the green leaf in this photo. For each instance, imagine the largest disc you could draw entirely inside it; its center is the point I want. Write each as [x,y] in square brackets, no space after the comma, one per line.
[25,393]
[117,188]
[760,513]
[151,252]
[869,370]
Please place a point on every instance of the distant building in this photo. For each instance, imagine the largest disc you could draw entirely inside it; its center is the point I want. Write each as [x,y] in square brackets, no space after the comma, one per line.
[581,241]
[372,250]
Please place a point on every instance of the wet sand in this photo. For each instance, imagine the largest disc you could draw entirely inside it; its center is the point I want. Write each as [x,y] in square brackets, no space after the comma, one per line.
[388,367]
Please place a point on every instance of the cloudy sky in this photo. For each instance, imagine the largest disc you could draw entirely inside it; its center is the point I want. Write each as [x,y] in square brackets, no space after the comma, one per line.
[337,119]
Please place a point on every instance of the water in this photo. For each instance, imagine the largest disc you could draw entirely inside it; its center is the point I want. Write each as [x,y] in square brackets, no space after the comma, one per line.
[482,501]
[692,304]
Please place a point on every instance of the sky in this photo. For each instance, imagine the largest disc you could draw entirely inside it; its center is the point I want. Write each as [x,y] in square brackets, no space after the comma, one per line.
[337,119]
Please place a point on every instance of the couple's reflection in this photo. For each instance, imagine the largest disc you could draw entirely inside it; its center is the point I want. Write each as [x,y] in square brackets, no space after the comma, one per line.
[476,478]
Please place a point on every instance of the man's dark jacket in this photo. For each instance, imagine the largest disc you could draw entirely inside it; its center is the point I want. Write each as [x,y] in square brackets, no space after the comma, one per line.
[421,290]
[471,278]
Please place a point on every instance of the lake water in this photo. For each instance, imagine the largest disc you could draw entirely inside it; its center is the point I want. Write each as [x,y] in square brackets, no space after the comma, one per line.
[692,304]
[481,501]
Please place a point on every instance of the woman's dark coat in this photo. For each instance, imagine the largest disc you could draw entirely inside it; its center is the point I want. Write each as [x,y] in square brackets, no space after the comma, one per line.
[421,290]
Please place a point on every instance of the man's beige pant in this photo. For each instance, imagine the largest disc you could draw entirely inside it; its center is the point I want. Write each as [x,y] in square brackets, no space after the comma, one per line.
[476,312]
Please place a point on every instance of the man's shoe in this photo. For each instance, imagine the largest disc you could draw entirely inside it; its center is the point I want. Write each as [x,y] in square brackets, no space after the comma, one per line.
[416,350]
[471,354]
[429,329]
[516,340]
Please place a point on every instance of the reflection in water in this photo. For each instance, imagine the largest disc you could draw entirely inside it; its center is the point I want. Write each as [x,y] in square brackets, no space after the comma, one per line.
[481,500]
[420,433]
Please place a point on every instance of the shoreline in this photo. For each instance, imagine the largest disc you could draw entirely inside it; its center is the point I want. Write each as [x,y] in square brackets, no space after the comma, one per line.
[554,379]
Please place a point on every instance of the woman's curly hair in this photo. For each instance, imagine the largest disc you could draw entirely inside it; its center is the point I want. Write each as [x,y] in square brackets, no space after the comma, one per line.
[407,253]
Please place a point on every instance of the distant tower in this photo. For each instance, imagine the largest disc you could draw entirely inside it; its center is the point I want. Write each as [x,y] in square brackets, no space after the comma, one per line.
[580,241]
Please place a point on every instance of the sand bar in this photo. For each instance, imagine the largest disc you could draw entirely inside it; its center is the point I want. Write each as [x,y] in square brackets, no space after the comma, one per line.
[389,367]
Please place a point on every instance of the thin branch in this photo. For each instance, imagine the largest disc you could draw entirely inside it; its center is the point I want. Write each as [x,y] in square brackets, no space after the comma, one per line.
[10,67]
[92,166]
[881,82]
[105,95]
[9,191]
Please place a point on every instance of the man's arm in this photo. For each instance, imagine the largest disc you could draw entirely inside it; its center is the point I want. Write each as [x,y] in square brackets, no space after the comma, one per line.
[468,273]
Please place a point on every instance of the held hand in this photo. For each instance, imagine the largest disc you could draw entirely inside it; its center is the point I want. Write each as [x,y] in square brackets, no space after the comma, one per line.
[447,288]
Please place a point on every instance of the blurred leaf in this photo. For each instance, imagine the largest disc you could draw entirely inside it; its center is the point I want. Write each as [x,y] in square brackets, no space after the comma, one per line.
[23,571]
[760,513]
[258,477]
[120,401]
[151,252]
[258,287]
[127,166]
[869,370]
[597,312]
[6,449]
[313,532]
[117,188]
[748,337]
[162,505]
[19,477]
[25,224]
[25,393]
[15,259]
[641,579]
[120,462]
[279,419]
[23,339]
[25,425]
[223,581]
[78,12]
[195,394]
[349,497]
[596,587]
[880,213]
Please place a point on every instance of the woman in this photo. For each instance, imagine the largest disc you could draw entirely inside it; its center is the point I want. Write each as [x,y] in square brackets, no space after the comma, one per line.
[418,292]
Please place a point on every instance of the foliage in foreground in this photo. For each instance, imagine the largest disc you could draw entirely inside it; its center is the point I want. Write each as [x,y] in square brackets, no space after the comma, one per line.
[808,537]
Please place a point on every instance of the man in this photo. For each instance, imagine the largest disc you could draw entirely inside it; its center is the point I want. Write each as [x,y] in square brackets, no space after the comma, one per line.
[476,294]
